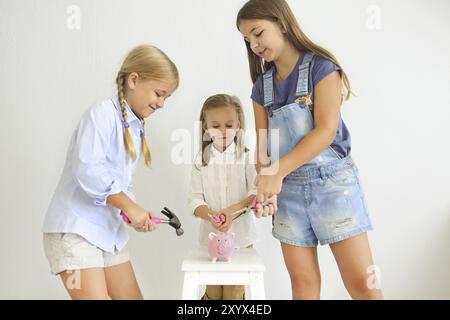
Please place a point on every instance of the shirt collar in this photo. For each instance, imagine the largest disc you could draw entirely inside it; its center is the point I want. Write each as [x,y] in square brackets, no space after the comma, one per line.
[131,116]
[230,149]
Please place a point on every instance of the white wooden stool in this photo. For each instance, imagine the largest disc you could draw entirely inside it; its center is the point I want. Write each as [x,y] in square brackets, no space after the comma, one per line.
[246,268]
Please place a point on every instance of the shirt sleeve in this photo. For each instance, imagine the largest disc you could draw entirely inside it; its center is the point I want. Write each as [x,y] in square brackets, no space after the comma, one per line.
[90,169]
[196,197]
[130,192]
[250,176]
[257,91]
[321,68]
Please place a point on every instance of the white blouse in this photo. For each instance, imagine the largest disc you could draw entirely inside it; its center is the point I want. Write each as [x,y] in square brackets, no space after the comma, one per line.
[225,181]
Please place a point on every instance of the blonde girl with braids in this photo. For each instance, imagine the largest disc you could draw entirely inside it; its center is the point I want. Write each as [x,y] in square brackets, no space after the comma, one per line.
[303,151]
[84,236]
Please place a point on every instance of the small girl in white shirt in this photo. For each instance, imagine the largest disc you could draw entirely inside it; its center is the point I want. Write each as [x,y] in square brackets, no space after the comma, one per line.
[222,180]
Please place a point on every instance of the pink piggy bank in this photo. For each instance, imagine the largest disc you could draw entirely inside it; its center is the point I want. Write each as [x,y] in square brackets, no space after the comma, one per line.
[221,246]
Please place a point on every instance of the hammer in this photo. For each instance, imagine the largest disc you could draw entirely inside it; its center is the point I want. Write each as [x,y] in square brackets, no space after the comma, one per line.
[173,220]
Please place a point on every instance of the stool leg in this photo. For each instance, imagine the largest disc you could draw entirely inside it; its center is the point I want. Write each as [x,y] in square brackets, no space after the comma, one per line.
[190,286]
[257,286]
[247,293]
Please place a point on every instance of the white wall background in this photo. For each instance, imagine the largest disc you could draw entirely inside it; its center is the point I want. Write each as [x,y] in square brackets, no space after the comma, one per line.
[399,124]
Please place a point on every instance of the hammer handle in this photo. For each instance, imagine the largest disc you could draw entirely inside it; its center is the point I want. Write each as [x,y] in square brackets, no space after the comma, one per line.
[155,220]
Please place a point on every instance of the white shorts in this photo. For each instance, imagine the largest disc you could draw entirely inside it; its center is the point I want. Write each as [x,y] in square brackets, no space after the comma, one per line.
[70,251]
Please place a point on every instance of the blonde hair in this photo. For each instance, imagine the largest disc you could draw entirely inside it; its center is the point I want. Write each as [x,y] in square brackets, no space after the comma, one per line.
[150,63]
[278,11]
[221,101]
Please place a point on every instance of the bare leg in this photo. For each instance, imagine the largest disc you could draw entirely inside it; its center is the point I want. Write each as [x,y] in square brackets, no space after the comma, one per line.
[354,259]
[121,282]
[85,284]
[303,268]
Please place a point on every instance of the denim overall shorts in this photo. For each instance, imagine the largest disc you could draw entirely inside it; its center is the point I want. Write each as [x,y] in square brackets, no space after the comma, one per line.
[322,201]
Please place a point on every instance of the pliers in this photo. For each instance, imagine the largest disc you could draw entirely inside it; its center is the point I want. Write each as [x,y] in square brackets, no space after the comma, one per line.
[222,217]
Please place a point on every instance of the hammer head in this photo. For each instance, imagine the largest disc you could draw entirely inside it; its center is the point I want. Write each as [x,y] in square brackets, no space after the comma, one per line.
[173,221]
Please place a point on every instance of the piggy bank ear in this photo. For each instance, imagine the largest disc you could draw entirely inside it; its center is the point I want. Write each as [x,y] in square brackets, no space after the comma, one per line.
[211,235]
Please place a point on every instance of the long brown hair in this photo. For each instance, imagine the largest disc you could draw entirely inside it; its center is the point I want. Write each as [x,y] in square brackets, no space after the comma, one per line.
[150,63]
[221,101]
[279,11]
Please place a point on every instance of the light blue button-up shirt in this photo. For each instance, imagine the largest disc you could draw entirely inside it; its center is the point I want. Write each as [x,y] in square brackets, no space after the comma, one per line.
[97,166]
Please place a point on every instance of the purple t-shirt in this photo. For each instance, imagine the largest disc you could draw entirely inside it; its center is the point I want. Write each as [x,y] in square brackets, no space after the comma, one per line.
[284,94]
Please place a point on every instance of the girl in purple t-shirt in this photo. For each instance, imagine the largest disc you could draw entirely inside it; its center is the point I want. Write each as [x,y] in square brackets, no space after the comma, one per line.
[303,151]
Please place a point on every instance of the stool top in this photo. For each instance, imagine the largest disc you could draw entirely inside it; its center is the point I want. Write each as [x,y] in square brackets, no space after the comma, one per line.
[245,259]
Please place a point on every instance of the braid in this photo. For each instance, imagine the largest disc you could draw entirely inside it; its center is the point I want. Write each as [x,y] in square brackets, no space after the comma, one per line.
[144,147]
[129,146]
[149,63]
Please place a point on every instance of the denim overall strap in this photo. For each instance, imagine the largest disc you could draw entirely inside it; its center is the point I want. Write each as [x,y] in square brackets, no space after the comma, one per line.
[268,87]
[303,75]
